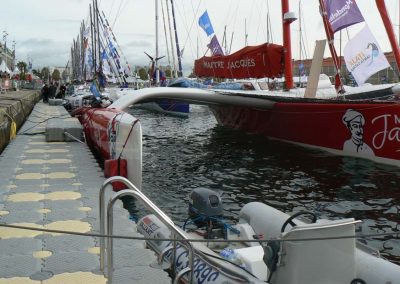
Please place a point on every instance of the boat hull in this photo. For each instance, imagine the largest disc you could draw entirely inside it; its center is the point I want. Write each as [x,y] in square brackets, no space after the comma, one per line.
[112,134]
[330,126]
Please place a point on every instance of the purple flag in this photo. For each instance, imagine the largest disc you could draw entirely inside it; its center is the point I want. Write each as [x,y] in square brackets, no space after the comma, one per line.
[342,13]
[215,46]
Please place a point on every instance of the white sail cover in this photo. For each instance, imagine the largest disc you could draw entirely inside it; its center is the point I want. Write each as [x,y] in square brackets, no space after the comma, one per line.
[4,68]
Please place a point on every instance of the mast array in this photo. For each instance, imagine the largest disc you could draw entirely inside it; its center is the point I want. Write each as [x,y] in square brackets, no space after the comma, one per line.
[95,53]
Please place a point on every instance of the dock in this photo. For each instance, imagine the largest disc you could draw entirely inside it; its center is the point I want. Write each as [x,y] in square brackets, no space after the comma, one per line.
[55,186]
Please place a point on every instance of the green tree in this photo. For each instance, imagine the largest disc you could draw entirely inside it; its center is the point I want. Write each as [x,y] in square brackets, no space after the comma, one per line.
[37,73]
[22,67]
[64,75]
[168,72]
[56,75]
[45,73]
[143,74]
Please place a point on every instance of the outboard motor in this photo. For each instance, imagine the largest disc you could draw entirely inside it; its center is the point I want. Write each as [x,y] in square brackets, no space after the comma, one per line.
[205,209]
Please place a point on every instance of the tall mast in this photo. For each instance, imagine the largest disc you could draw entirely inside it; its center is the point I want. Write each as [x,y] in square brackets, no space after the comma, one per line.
[300,50]
[178,51]
[166,34]
[156,59]
[286,21]
[389,30]
[329,35]
[92,37]
[175,73]
[98,35]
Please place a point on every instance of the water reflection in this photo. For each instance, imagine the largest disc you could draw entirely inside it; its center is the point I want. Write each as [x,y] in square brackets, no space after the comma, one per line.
[182,154]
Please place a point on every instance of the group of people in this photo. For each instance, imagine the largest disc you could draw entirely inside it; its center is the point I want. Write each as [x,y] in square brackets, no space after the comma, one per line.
[50,92]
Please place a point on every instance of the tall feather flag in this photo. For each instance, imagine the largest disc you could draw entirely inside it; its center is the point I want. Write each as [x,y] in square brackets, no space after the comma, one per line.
[205,24]
[363,56]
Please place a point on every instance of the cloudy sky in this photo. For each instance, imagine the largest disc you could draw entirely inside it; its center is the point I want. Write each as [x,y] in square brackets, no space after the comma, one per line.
[43,30]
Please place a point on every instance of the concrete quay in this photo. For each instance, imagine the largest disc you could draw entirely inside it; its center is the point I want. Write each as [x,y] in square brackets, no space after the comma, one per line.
[55,185]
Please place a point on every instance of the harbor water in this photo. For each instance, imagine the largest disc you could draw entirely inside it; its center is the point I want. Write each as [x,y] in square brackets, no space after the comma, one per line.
[182,154]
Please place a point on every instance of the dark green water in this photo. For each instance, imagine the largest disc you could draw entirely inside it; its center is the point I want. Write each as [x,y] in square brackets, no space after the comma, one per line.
[182,154]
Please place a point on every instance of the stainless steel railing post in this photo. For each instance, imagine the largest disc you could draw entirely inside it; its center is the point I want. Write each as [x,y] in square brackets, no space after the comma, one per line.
[101,217]
[133,191]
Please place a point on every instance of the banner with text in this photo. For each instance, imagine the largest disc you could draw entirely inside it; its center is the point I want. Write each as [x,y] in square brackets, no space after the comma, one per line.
[260,61]
[342,13]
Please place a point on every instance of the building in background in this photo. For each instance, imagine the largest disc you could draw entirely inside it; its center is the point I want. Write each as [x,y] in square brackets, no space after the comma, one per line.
[389,75]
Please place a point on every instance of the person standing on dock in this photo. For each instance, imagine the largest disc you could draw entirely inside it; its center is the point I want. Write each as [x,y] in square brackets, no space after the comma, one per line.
[45,93]
[52,91]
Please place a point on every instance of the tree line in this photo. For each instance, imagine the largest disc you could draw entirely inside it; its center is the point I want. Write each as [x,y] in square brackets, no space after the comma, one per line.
[43,73]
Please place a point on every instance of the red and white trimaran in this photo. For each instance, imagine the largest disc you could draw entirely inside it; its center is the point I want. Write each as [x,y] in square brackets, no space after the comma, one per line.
[368,127]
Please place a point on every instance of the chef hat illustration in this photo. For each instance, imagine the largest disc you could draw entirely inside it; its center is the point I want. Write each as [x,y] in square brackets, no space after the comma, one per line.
[353,115]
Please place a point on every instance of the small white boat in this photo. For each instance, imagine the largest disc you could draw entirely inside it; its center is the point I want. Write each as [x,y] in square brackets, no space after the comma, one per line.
[323,251]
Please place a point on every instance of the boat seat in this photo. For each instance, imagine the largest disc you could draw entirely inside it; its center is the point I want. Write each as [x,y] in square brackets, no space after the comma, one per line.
[318,261]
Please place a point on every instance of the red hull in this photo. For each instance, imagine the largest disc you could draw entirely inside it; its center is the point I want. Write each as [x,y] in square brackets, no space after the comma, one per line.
[95,123]
[322,125]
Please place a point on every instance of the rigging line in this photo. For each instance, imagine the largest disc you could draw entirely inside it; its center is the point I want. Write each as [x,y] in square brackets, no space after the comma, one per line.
[188,31]
[171,36]
[395,235]
[196,16]
[261,18]
[188,38]
[269,23]
[300,41]
[112,6]
[260,22]
[227,14]
[107,25]
[117,14]
[166,34]
[199,38]
[249,22]
[304,31]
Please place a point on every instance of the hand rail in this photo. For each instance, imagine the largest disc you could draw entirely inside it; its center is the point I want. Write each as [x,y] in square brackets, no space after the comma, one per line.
[133,191]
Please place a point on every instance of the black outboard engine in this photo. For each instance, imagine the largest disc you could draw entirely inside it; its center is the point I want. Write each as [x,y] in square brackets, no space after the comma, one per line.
[205,209]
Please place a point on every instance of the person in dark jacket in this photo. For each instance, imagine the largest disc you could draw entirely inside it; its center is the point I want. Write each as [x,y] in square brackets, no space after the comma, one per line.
[52,91]
[45,93]
[61,93]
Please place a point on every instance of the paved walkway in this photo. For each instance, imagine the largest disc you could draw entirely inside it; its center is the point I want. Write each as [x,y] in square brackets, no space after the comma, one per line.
[55,186]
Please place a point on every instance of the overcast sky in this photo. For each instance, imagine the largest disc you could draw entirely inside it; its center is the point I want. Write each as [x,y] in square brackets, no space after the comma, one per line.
[44,29]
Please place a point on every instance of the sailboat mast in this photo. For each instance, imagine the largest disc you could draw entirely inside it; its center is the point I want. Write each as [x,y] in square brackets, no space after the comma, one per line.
[178,51]
[92,37]
[156,59]
[166,34]
[287,45]
[175,73]
[329,35]
[98,35]
[389,30]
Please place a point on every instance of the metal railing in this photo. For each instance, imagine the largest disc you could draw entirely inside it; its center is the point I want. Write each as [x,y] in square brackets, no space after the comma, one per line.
[135,192]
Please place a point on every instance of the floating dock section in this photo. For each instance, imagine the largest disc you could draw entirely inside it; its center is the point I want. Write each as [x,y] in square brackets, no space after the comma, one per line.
[55,185]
